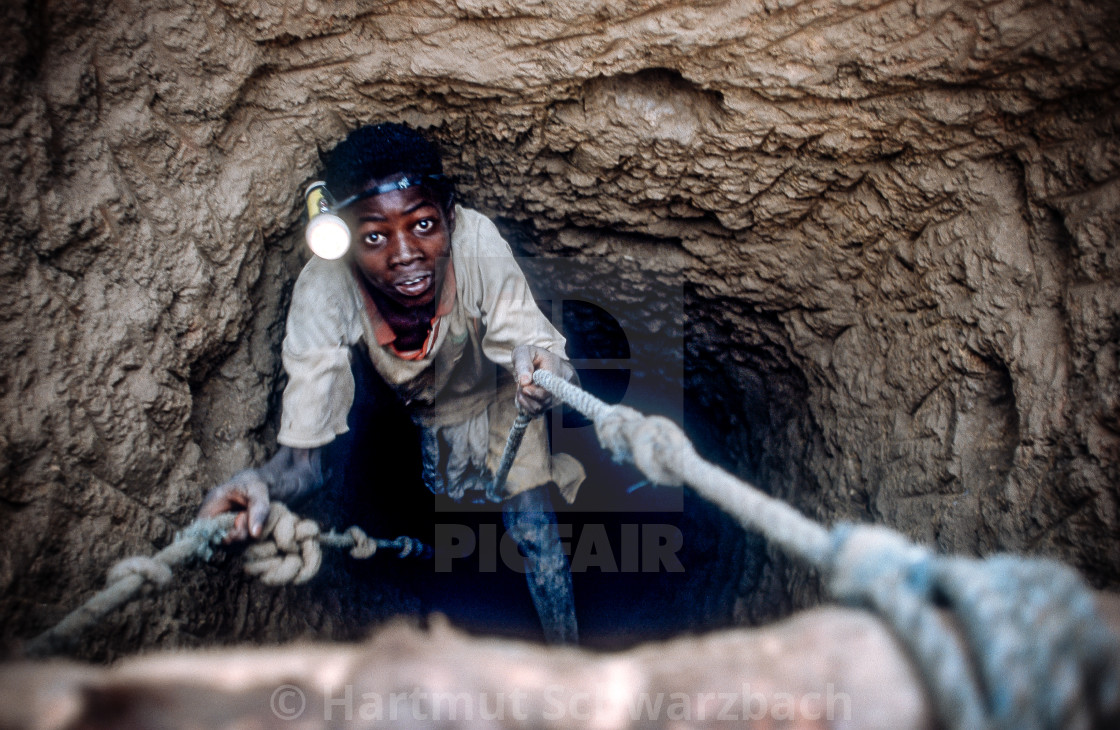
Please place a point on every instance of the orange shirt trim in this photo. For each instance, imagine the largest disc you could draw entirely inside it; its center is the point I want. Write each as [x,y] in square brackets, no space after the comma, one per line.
[385,335]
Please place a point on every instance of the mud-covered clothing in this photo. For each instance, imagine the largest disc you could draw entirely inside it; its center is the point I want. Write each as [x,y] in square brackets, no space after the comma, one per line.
[458,387]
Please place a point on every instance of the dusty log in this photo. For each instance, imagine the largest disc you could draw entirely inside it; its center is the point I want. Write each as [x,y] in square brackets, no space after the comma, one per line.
[824,668]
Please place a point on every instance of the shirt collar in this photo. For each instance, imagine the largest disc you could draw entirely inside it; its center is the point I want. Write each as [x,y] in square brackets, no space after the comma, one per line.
[383,333]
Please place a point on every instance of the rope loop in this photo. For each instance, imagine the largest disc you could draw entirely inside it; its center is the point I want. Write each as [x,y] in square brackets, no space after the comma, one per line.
[1044,657]
[878,569]
[288,549]
[1029,652]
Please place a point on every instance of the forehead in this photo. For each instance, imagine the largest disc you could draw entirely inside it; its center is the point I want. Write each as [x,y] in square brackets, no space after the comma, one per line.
[394,202]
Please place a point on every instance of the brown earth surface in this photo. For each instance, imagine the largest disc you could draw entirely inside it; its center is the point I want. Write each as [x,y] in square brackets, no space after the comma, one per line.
[867,251]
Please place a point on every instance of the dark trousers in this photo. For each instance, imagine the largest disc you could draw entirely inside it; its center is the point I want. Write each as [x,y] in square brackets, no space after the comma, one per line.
[373,479]
[531,522]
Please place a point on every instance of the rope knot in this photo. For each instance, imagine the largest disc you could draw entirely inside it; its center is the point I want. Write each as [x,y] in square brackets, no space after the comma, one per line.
[154,571]
[656,445]
[609,429]
[287,551]
[409,546]
[868,557]
[364,545]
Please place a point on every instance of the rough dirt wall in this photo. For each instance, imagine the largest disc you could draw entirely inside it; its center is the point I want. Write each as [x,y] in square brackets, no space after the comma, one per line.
[894,226]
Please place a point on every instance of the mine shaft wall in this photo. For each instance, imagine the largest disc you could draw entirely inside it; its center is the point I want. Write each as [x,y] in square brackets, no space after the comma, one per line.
[891,229]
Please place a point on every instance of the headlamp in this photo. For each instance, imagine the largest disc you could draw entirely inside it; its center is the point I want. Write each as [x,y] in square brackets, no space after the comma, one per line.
[327,235]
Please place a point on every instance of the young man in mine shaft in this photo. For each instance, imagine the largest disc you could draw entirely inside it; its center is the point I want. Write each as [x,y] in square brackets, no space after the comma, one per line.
[430,295]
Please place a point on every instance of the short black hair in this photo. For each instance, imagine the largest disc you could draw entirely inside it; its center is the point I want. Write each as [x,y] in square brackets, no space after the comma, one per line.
[378,151]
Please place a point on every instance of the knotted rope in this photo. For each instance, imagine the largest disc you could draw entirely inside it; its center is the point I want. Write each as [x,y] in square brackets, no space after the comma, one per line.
[1044,658]
[127,577]
[1040,655]
[288,549]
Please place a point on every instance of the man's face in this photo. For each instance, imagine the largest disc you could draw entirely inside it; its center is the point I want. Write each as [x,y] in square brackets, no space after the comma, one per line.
[402,241]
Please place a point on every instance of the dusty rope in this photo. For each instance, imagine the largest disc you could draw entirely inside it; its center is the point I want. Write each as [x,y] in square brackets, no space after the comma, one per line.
[288,549]
[513,443]
[288,552]
[126,578]
[1044,657]
[665,455]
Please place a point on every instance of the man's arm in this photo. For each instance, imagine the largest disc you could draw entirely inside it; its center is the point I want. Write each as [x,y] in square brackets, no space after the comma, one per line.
[517,334]
[288,477]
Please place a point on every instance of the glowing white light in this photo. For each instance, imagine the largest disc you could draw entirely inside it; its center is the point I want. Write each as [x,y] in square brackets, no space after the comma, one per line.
[327,236]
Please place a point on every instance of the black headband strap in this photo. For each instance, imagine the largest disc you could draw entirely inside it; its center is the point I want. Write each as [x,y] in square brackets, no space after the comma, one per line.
[403,183]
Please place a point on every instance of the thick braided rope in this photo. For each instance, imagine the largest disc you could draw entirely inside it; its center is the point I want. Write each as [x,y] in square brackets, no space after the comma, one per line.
[1048,661]
[878,569]
[126,578]
[1044,659]
[288,553]
[664,454]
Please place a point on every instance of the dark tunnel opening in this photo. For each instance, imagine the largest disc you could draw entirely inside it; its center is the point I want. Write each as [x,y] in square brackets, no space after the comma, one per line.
[648,562]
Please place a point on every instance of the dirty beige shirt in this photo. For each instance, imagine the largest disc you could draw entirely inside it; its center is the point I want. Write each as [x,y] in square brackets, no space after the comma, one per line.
[461,393]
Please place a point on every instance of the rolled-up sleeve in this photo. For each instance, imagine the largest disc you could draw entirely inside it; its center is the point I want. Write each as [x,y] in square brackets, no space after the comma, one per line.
[510,315]
[316,357]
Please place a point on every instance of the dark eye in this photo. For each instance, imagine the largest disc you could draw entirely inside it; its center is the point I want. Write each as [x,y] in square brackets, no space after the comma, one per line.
[426,224]
[373,239]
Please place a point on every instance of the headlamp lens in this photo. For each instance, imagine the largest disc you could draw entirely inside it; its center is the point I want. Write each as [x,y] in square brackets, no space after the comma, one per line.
[328,236]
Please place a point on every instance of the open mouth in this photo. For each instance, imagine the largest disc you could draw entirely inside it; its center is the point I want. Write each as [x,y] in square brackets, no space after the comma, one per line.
[414,286]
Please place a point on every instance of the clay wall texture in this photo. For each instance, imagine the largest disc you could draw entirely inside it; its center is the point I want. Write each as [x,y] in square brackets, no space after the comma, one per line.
[895,225]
